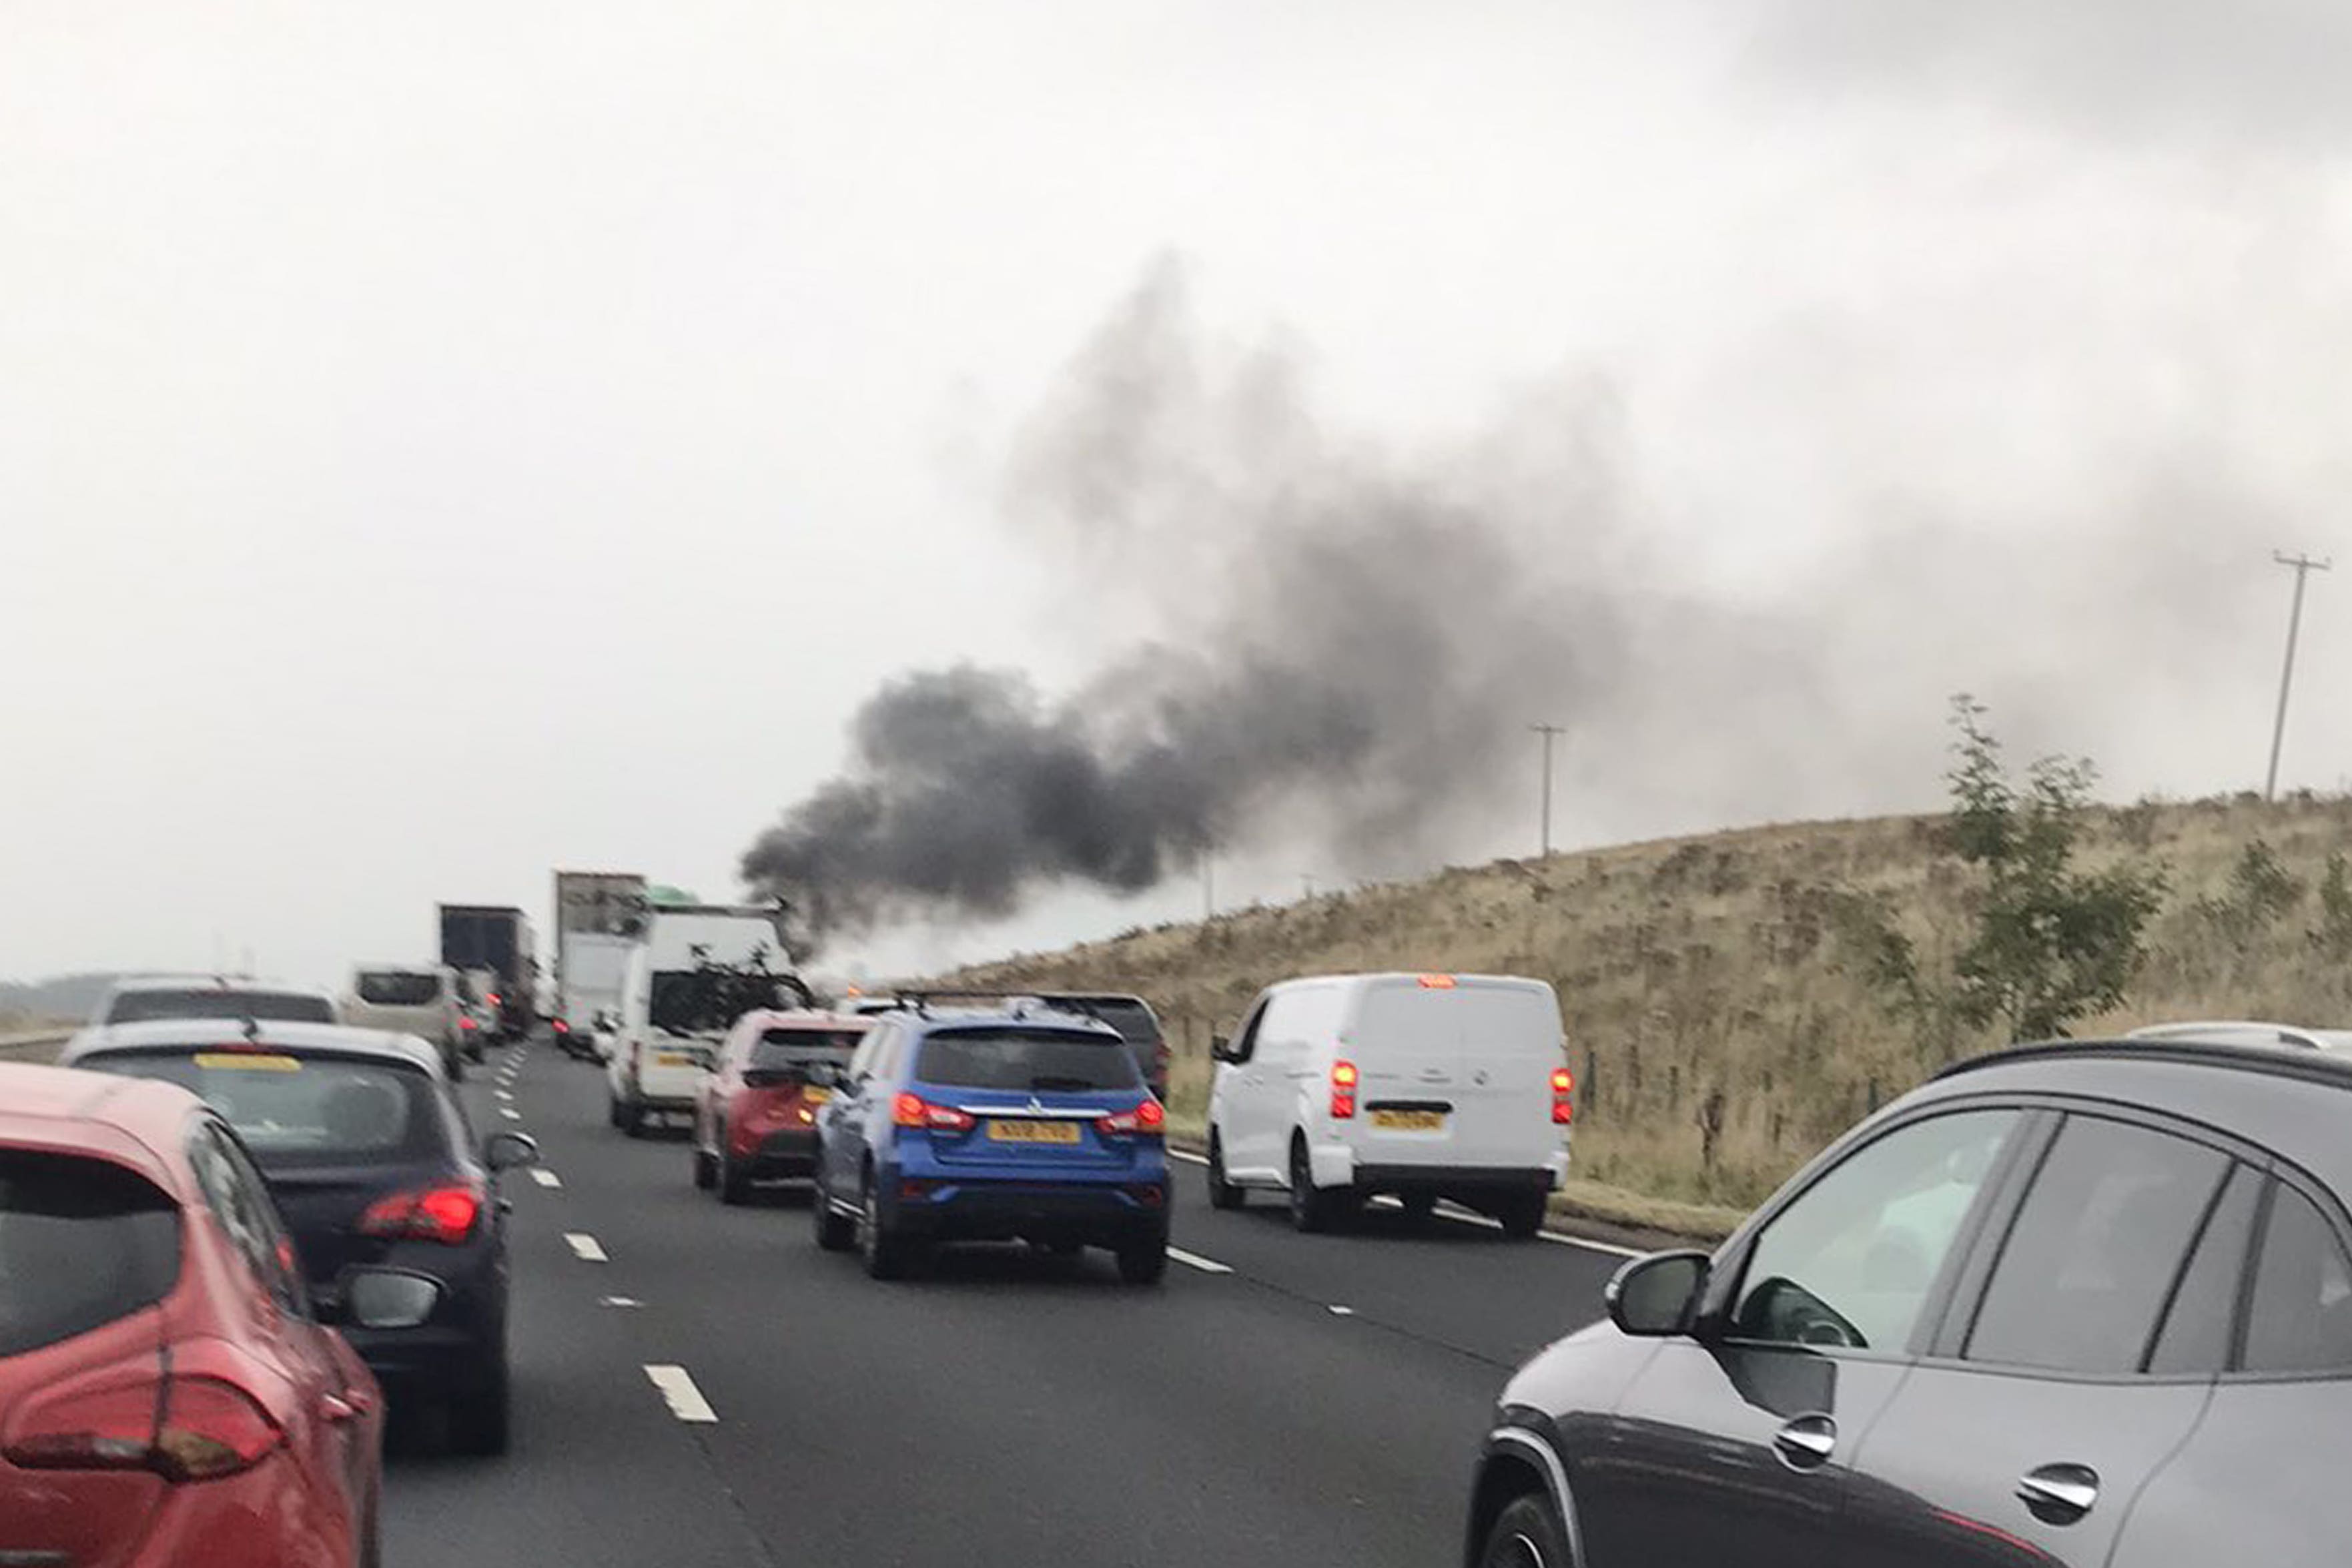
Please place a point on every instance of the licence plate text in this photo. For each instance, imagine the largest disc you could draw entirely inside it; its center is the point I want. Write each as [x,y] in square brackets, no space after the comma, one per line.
[1033,1132]
[1410,1121]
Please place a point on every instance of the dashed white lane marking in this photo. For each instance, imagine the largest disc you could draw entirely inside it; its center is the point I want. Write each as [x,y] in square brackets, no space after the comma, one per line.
[1189,1158]
[618,1301]
[686,1401]
[545,1178]
[1343,1311]
[1194,1260]
[510,1114]
[503,1093]
[586,1247]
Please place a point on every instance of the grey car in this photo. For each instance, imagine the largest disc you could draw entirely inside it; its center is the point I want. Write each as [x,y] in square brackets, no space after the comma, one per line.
[2067,1305]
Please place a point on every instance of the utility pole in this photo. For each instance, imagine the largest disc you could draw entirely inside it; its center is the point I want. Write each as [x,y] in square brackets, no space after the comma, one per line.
[1307,886]
[1208,886]
[1550,732]
[2303,566]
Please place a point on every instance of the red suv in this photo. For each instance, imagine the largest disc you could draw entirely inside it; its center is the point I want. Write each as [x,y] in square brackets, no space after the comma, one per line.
[755,1112]
[166,1396]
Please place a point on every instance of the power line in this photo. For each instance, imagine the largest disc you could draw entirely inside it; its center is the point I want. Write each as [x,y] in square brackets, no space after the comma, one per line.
[2303,566]
[1550,732]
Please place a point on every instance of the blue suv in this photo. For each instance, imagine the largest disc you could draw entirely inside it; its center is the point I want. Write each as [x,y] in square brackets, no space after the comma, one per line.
[992,1127]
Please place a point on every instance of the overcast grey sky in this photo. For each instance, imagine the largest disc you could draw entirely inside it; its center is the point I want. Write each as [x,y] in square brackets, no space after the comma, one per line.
[439,443]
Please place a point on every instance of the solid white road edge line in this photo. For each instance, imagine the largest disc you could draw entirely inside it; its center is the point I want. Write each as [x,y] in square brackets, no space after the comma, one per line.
[1194,1260]
[1450,1212]
[586,1247]
[545,1178]
[686,1401]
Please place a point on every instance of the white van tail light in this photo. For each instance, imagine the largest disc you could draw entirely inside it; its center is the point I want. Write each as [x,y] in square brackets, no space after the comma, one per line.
[1437,982]
[1343,1090]
[1563,1085]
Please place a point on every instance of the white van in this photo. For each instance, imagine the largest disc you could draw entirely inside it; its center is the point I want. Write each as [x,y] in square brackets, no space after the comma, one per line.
[671,1024]
[418,999]
[1420,1085]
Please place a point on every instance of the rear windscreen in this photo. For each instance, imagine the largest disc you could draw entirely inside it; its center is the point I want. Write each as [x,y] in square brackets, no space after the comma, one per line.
[1025,1060]
[82,1242]
[304,1110]
[215,1002]
[781,1048]
[393,988]
[1473,1017]
[1130,1018]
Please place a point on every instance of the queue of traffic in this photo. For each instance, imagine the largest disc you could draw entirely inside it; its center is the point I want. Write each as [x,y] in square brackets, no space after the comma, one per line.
[2067,1304]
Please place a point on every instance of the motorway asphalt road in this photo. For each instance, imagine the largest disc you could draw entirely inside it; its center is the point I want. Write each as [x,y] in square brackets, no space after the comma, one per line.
[1319,1401]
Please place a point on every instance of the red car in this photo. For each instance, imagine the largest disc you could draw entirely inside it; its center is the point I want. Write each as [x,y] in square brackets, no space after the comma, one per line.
[166,1395]
[755,1112]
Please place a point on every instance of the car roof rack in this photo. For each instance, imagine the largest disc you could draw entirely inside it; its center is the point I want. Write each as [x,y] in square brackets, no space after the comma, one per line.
[2278,1061]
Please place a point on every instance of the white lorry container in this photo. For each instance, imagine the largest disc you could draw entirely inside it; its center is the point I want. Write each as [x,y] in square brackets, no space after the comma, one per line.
[588,997]
[1420,1085]
[670,1028]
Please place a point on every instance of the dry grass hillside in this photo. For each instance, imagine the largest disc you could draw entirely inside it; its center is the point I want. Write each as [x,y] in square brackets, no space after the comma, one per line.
[1707,971]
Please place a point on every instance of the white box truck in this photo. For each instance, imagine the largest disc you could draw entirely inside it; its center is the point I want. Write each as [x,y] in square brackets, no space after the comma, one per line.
[701,967]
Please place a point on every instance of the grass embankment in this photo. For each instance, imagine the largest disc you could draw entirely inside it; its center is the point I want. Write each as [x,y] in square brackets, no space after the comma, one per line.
[1706,970]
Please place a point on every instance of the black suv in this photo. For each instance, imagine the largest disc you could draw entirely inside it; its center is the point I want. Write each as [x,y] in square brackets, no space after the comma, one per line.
[2066,1305]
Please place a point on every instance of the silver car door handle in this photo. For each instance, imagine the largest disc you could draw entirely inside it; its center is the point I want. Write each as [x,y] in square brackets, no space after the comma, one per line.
[2060,1494]
[1807,1442]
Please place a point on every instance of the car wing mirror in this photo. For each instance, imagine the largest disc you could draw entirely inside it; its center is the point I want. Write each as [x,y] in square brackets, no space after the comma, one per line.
[1221,1048]
[1657,1296]
[510,1150]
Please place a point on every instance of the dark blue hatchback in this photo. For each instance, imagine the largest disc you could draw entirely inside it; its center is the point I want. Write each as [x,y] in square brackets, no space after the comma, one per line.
[994,1127]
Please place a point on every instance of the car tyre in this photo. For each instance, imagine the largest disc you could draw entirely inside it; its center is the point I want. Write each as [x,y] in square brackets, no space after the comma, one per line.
[1222,1193]
[706,1170]
[612,1111]
[1311,1208]
[633,1119]
[1144,1262]
[883,1251]
[835,1232]
[1525,1535]
[482,1423]
[734,1187]
[1522,1215]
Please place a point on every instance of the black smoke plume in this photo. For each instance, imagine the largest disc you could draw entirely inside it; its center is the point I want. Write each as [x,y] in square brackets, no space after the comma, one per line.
[1338,646]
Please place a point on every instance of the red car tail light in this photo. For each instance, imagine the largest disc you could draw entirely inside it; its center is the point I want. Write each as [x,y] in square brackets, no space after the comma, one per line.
[1148,1120]
[908,1110]
[467,1024]
[1343,1090]
[560,1027]
[1563,1085]
[187,1429]
[445,1214]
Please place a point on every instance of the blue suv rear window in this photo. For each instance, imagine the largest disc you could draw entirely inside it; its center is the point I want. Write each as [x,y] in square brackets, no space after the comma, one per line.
[1033,1061]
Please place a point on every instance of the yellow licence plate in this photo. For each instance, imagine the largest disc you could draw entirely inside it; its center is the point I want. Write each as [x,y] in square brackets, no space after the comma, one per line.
[246,1061]
[672,1059]
[1033,1132]
[1408,1120]
[815,1096]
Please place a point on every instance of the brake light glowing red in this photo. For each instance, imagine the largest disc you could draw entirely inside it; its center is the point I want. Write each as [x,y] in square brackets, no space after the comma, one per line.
[1437,982]
[1148,1120]
[467,1023]
[209,1428]
[909,1109]
[493,999]
[560,1027]
[1343,1090]
[1563,1107]
[445,1214]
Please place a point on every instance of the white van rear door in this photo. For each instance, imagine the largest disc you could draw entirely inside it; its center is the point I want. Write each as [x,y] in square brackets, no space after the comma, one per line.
[1457,1072]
